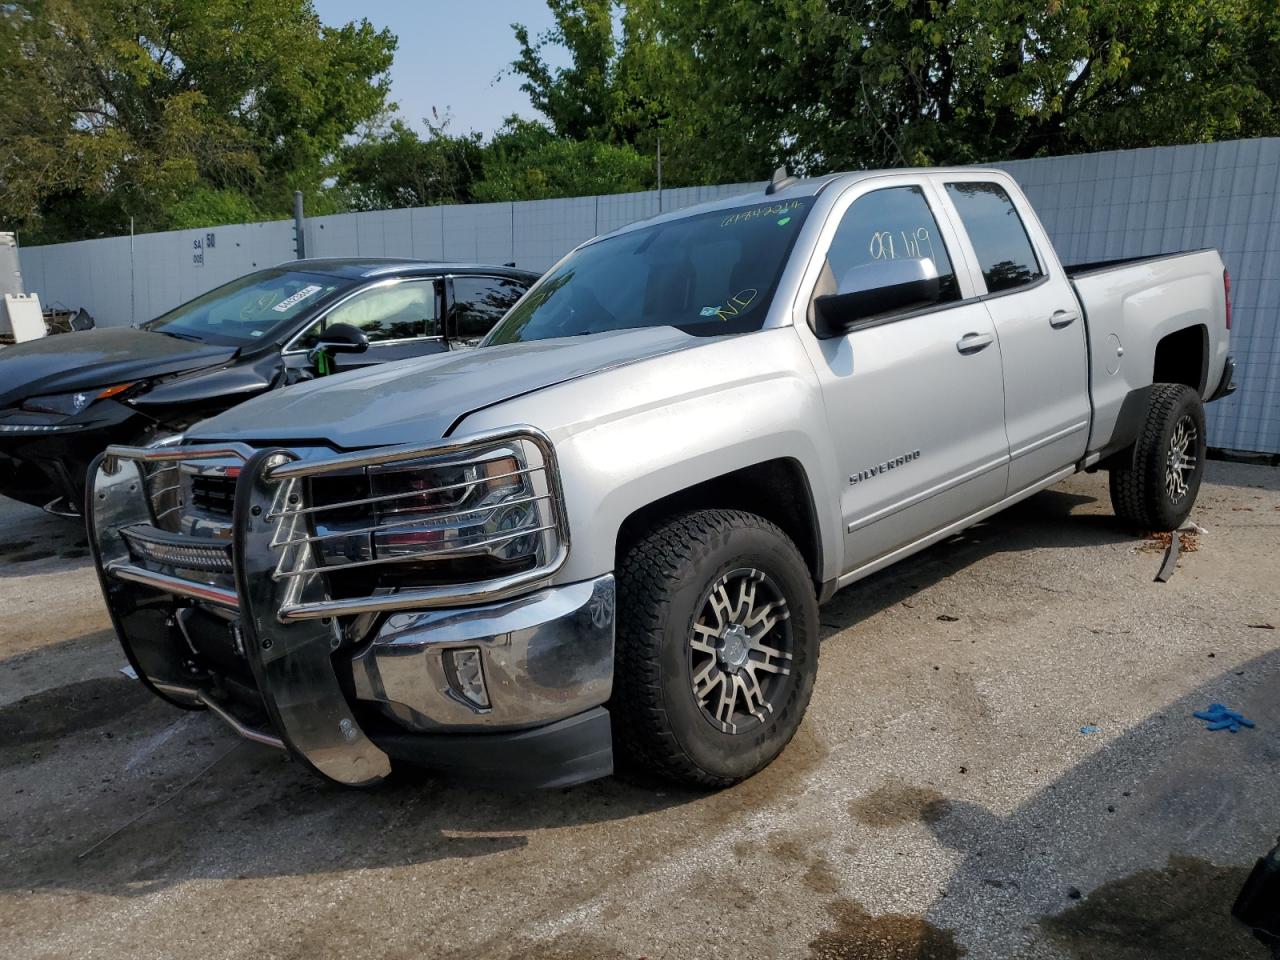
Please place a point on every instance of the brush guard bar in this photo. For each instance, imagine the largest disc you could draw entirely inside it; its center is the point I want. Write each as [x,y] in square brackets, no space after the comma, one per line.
[277,594]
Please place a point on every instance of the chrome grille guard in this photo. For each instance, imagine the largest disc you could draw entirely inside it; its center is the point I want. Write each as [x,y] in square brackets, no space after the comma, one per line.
[272,484]
[280,595]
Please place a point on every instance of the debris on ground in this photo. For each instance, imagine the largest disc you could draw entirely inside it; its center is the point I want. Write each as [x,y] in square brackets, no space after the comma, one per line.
[947,618]
[1218,717]
[1170,564]
[1187,540]
[1159,541]
[1261,626]
[1088,728]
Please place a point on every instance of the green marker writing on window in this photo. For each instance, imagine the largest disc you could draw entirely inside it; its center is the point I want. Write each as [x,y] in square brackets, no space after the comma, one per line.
[784,221]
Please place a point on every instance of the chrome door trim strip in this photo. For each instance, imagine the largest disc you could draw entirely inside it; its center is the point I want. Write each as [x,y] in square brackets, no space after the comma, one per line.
[1045,441]
[931,492]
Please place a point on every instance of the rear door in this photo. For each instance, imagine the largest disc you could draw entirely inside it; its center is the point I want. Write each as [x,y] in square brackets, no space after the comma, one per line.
[476,303]
[1038,321]
[915,401]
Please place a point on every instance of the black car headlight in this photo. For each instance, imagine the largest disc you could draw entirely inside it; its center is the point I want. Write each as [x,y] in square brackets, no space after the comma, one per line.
[69,404]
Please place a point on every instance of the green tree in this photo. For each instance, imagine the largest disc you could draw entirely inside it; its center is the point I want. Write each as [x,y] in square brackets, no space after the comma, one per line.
[162,109]
[527,161]
[617,85]
[399,168]
[827,84]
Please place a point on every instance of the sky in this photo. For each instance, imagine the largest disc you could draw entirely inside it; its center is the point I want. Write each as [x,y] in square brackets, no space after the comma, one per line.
[450,55]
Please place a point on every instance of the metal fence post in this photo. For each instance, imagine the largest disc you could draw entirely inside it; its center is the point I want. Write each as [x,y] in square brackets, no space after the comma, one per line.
[299,238]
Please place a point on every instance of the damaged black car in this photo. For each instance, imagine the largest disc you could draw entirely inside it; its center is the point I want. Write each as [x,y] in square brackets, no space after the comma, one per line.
[63,399]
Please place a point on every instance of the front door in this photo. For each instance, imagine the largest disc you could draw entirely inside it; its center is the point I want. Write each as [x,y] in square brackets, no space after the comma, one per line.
[401,318]
[1042,335]
[915,401]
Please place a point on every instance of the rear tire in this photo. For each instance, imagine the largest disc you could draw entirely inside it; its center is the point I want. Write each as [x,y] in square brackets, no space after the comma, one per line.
[717,648]
[1156,488]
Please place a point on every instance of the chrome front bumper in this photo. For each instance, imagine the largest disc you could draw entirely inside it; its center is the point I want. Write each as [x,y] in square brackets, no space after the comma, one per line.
[544,657]
[345,685]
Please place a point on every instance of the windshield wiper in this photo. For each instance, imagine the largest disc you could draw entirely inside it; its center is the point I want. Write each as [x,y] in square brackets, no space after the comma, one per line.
[181,336]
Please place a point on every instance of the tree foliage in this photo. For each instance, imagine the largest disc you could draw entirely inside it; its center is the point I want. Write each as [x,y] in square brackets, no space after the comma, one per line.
[400,168]
[161,109]
[527,161]
[829,84]
[191,112]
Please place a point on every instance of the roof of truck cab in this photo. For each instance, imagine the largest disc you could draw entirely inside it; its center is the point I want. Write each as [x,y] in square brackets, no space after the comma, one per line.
[364,268]
[807,187]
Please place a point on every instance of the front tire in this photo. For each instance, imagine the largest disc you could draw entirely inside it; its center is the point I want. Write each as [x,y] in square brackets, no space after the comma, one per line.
[717,648]
[1156,488]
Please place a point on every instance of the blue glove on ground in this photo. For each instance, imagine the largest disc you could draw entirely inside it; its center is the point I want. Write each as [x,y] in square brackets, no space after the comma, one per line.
[1218,717]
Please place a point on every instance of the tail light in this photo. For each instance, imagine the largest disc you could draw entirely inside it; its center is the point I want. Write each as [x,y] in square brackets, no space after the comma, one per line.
[1226,290]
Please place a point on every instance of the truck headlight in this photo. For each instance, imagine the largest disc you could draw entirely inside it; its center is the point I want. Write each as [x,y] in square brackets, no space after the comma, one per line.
[438,519]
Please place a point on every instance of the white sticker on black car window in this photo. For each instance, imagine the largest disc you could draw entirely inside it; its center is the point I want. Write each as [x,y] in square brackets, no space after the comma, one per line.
[310,290]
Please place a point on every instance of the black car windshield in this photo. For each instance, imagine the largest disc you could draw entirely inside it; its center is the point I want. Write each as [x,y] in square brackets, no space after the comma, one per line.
[251,309]
[707,274]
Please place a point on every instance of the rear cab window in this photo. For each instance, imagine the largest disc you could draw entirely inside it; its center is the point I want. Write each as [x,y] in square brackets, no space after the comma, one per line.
[999,238]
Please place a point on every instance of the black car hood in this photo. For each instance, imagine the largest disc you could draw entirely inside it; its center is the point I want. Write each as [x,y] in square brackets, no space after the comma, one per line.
[97,358]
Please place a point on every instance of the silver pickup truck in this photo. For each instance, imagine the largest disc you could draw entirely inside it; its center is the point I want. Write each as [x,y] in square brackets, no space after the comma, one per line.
[605,533]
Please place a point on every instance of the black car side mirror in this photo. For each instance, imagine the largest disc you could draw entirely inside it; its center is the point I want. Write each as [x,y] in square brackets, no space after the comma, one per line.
[338,338]
[874,289]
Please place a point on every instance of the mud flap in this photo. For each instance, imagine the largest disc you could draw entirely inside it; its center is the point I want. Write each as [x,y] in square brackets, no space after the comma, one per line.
[291,663]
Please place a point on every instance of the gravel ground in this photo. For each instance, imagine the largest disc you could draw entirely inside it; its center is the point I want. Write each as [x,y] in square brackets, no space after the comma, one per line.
[940,801]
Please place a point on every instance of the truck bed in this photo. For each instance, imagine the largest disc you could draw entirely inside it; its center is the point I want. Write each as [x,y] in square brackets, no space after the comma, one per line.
[1130,306]
[1074,270]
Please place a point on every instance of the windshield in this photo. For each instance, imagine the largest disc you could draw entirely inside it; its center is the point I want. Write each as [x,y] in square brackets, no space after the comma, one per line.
[249,309]
[709,274]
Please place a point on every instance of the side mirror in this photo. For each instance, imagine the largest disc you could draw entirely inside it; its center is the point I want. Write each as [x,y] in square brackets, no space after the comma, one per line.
[338,338]
[876,288]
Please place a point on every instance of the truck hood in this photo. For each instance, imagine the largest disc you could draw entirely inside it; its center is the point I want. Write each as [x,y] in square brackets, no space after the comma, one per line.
[97,358]
[419,400]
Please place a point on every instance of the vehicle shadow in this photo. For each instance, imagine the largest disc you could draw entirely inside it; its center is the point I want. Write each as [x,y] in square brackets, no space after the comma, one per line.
[32,541]
[79,763]
[1043,521]
[1138,850]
